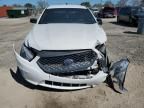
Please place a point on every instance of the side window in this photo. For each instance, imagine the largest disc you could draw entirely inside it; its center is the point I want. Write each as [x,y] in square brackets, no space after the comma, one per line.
[135,10]
[128,11]
[125,11]
[122,11]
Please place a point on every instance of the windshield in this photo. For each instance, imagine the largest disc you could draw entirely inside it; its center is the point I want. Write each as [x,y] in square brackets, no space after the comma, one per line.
[141,9]
[67,15]
[138,10]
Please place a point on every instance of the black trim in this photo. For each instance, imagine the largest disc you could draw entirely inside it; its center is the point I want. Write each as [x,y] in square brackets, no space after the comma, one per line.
[48,82]
[64,84]
[54,53]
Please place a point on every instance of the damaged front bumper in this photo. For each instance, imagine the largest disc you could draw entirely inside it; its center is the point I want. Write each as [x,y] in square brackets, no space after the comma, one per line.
[33,73]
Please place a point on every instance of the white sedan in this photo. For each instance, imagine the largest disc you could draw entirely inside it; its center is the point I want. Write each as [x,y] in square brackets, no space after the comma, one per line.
[66,50]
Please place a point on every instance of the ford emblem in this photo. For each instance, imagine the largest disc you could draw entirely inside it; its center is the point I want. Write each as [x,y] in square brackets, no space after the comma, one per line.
[68,62]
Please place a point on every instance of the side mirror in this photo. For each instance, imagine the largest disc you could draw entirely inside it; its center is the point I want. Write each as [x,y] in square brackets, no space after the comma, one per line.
[33,20]
[99,21]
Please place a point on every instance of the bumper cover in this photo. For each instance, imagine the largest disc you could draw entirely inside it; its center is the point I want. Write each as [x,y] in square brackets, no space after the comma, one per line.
[35,75]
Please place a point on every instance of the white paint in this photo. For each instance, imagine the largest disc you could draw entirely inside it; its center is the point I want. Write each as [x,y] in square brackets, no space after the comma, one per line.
[62,36]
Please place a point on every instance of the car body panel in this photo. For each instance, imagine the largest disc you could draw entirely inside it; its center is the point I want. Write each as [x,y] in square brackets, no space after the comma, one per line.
[129,14]
[109,12]
[33,74]
[62,36]
[66,36]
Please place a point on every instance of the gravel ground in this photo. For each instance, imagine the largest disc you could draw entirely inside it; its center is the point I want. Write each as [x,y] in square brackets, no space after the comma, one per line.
[122,41]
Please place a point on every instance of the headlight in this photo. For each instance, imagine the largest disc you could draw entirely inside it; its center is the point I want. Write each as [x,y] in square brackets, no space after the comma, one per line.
[101,48]
[26,53]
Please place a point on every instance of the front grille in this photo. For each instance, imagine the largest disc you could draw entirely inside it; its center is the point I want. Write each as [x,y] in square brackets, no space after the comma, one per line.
[68,62]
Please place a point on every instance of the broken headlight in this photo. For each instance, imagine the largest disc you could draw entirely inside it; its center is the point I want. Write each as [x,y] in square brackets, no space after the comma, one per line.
[101,48]
[26,53]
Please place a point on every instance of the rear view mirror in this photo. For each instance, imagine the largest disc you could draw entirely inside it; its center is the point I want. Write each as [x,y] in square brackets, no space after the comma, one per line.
[99,21]
[33,20]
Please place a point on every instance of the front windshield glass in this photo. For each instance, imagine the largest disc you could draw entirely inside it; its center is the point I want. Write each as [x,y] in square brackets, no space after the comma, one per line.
[67,15]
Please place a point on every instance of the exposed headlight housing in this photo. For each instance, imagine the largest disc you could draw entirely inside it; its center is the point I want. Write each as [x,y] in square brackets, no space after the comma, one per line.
[27,53]
[101,48]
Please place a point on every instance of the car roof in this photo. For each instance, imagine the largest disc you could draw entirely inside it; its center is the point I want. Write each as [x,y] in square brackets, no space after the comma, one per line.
[66,6]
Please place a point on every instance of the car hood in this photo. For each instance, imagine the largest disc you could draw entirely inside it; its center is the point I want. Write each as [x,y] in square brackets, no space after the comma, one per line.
[65,36]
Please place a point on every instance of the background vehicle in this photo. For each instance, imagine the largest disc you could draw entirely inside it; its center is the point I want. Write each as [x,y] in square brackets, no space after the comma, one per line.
[95,11]
[129,14]
[108,12]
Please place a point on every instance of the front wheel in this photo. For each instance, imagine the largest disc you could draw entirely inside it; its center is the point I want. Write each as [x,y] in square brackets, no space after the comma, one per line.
[131,22]
[118,20]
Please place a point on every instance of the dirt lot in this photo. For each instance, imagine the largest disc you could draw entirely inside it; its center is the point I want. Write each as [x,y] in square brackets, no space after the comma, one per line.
[122,41]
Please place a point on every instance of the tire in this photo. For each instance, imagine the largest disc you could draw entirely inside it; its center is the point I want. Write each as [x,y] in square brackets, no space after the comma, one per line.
[118,20]
[131,22]
[114,16]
